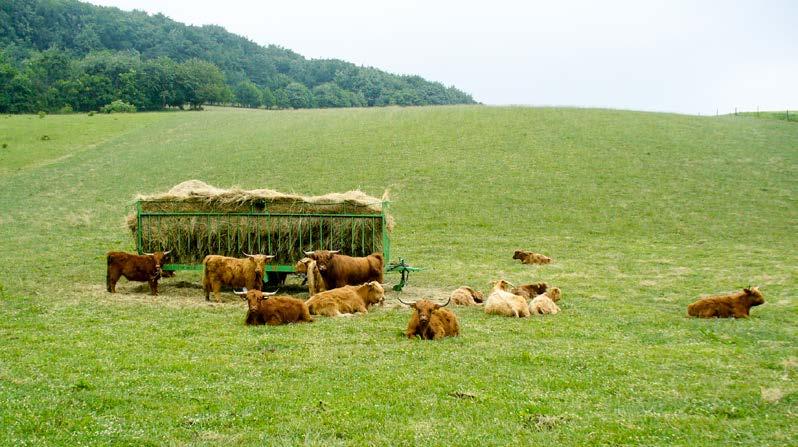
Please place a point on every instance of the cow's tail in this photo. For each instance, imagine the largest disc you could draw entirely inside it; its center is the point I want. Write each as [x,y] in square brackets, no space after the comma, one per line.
[108,273]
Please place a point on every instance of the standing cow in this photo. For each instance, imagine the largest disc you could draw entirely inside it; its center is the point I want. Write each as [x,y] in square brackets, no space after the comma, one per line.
[339,270]
[146,267]
[233,272]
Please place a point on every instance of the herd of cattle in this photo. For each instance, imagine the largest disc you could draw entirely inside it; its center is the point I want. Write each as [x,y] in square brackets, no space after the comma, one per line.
[341,285]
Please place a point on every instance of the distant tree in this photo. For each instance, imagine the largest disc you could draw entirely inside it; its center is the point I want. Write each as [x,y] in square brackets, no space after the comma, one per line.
[298,96]
[21,95]
[248,94]
[268,99]
[330,95]
[202,83]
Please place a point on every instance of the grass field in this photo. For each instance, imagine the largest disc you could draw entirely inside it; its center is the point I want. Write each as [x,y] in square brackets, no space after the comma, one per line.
[642,213]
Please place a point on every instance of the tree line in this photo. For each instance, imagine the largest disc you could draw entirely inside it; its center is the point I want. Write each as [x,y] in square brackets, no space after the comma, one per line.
[63,54]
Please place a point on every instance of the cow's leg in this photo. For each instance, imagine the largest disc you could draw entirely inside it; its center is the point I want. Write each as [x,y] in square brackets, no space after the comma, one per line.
[274,320]
[112,278]
[153,287]
[217,292]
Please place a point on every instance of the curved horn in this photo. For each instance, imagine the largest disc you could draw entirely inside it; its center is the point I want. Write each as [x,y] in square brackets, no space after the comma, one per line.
[271,293]
[447,302]
[148,254]
[167,252]
[240,293]
[270,256]
[334,251]
[246,254]
[406,304]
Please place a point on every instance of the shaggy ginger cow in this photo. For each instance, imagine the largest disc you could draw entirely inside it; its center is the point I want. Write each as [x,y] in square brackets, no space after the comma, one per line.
[737,305]
[530,290]
[502,302]
[346,300]
[233,272]
[146,267]
[340,270]
[528,257]
[315,281]
[466,296]
[545,303]
[431,321]
[263,308]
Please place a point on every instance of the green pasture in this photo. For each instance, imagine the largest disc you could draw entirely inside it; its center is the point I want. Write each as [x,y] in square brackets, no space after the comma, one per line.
[641,212]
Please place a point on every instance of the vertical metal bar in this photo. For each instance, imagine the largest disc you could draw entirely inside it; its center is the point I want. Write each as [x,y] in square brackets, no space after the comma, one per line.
[301,246]
[208,229]
[373,239]
[269,234]
[321,234]
[352,240]
[138,226]
[386,241]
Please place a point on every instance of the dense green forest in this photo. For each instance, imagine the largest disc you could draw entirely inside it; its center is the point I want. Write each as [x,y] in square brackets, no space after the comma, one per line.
[64,55]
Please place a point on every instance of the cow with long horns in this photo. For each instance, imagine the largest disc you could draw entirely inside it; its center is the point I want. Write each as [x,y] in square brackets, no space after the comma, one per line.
[265,308]
[431,321]
[233,272]
[339,270]
[146,267]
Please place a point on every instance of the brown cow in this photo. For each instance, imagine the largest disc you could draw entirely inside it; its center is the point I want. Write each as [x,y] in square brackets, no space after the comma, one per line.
[431,321]
[146,267]
[502,302]
[530,290]
[737,305]
[314,279]
[263,308]
[234,272]
[466,296]
[346,299]
[528,257]
[340,270]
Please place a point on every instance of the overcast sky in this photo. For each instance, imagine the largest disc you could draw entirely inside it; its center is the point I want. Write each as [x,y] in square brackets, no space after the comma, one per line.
[676,56]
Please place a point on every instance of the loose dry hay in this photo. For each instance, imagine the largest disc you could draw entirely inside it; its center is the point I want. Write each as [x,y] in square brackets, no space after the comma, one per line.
[192,237]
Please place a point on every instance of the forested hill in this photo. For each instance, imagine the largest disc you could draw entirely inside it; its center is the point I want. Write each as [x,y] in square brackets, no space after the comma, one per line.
[64,53]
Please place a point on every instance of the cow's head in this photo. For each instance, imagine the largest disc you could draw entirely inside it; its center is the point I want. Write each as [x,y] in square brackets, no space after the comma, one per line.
[376,293]
[754,295]
[260,265]
[477,296]
[555,294]
[424,309]
[501,285]
[254,297]
[158,257]
[323,258]
[519,254]
[302,265]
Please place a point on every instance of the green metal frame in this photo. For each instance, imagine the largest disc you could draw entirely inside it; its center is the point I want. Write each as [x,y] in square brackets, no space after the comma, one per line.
[142,215]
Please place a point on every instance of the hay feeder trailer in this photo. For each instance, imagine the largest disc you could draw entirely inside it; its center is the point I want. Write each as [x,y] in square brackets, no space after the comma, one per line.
[192,229]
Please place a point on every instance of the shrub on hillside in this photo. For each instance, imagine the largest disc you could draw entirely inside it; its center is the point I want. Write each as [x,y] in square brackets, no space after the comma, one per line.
[118,106]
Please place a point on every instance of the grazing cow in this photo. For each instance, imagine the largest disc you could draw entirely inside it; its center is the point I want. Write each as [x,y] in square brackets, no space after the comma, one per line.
[737,305]
[466,296]
[545,303]
[530,290]
[502,302]
[528,257]
[234,272]
[346,300]
[340,270]
[146,267]
[263,308]
[315,281]
[431,321]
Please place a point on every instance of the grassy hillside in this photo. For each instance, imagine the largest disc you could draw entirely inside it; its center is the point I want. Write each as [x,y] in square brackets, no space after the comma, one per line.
[642,213]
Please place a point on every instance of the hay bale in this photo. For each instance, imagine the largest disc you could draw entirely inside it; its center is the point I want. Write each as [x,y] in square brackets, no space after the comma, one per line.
[175,225]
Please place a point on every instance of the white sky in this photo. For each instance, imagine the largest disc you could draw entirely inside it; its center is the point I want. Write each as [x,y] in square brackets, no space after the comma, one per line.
[676,56]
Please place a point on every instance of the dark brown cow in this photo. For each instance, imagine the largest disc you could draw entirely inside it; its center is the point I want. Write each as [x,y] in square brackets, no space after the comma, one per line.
[431,321]
[530,290]
[737,305]
[233,272]
[528,257]
[263,308]
[146,267]
[339,270]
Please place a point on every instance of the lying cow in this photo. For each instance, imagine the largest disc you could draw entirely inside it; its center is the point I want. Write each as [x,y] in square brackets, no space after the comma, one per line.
[502,302]
[528,257]
[308,267]
[233,272]
[530,290]
[737,305]
[146,267]
[545,303]
[346,300]
[431,321]
[340,270]
[263,308]
[466,296]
